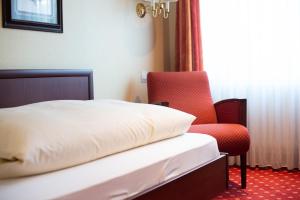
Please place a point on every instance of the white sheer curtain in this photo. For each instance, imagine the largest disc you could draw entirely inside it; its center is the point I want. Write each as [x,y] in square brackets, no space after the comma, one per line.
[251,49]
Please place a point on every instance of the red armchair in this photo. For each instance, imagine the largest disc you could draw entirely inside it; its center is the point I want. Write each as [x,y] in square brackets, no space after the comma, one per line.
[190,92]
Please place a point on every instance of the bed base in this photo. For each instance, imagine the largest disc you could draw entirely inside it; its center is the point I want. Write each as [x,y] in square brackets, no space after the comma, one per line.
[202,183]
[20,87]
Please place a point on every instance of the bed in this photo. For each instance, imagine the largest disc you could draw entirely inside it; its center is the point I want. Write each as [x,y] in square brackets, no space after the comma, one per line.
[193,171]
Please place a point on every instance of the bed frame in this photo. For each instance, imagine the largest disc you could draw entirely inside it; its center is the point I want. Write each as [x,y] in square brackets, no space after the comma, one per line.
[20,87]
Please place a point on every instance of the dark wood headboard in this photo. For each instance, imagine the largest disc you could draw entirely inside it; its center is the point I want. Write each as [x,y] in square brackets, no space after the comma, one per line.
[20,87]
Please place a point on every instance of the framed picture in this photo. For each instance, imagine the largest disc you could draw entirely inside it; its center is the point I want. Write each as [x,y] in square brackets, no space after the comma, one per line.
[37,15]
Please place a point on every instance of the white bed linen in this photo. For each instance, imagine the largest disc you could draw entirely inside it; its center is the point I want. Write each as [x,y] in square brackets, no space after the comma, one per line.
[118,176]
[53,135]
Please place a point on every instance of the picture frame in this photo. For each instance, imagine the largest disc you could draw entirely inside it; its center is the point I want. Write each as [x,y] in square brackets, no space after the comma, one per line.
[36,15]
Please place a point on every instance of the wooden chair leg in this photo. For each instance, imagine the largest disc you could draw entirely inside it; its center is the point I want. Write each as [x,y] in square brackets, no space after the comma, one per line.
[243,158]
[227,172]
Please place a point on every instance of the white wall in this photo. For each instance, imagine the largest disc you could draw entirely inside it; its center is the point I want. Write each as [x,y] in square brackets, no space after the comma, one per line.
[105,36]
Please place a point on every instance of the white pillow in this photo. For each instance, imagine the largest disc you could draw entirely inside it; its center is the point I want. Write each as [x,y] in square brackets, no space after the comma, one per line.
[52,135]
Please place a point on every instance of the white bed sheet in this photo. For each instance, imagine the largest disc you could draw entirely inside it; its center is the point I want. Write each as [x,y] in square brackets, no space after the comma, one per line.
[119,176]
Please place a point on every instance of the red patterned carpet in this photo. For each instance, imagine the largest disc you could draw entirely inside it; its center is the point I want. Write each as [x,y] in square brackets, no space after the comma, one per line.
[266,184]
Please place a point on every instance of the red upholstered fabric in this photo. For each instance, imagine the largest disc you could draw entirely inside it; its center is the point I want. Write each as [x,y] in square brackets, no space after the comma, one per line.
[185,91]
[232,138]
[190,92]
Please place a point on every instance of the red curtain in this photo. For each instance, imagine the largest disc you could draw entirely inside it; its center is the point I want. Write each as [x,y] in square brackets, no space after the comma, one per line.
[188,36]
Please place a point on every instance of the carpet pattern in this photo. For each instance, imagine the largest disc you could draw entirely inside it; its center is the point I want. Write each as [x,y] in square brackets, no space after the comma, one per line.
[266,184]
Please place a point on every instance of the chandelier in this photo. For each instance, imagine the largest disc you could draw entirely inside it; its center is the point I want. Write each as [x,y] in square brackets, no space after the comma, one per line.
[156,7]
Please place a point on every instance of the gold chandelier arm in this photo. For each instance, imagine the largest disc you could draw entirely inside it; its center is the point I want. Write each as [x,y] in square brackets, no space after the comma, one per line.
[155,12]
[166,14]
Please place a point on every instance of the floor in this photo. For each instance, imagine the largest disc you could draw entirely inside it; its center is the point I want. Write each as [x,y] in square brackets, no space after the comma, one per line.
[266,184]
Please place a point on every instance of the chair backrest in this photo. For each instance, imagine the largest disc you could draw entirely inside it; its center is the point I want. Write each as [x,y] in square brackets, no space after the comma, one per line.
[185,91]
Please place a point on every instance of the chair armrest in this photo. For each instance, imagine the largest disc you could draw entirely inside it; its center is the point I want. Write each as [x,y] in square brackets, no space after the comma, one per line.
[232,111]
[162,103]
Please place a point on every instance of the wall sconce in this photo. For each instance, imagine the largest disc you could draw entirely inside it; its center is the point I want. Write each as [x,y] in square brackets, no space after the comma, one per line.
[156,7]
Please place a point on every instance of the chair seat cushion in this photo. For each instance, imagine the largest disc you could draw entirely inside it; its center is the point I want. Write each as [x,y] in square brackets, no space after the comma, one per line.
[232,138]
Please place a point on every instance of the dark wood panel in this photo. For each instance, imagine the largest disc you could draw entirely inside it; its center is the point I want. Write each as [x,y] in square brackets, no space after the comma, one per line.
[20,87]
[203,183]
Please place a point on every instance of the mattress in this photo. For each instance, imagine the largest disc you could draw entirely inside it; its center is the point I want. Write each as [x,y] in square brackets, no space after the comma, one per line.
[119,176]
